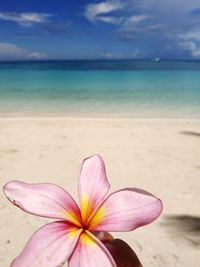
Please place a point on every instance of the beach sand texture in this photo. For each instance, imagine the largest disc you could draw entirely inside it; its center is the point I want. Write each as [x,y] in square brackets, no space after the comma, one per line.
[161,156]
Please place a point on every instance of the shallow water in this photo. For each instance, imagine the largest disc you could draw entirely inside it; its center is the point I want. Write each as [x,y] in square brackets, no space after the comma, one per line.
[98,88]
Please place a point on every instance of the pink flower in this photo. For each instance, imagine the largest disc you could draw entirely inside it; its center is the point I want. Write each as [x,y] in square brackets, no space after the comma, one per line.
[71,238]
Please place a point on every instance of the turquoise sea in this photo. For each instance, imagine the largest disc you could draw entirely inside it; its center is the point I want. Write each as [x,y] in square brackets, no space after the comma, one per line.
[101,88]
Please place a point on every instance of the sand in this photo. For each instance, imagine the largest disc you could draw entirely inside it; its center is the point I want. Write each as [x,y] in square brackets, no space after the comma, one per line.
[161,156]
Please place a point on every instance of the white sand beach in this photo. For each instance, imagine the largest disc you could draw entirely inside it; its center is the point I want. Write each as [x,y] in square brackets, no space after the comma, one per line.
[159,155]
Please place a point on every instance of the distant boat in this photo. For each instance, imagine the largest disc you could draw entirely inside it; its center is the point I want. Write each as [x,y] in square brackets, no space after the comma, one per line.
[157,59]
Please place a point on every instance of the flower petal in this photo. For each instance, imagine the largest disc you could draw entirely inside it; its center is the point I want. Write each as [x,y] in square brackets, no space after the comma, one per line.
[90,252]
[46,200]
[92,185]
[126,210]
[50,246]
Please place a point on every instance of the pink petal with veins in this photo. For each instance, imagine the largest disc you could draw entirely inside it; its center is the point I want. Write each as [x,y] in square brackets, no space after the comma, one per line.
[46,200]
[92,185]
[50,246]
[126,210]
[90,252]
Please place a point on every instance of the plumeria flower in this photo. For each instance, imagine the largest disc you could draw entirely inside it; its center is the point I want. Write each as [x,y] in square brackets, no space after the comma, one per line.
[73,238]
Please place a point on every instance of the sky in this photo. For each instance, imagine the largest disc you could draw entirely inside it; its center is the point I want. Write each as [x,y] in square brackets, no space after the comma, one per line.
[99,29]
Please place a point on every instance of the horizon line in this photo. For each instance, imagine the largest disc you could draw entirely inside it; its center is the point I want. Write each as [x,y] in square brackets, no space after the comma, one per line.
[97,59]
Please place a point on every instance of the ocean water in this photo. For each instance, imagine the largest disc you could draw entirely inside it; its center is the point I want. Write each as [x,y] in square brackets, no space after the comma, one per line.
[169,89]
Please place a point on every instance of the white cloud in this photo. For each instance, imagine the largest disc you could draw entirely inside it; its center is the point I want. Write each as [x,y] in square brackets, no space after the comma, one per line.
[136,53]
[95,12]
[193,35]
[155,27]
[37,55]
[109,55]
[25,19]
[136,19]
[164,5]
[10,51]
[189,42]
[132,23]
[110,19]
[192,48]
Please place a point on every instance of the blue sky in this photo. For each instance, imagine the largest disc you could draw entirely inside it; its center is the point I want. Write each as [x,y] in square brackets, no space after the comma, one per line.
[100,29]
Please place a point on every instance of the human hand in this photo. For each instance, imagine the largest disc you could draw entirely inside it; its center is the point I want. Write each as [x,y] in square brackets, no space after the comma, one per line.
[122,254]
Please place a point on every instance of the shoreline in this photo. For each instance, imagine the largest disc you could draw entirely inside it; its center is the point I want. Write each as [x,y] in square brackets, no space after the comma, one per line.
[96,117]
[102,119]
